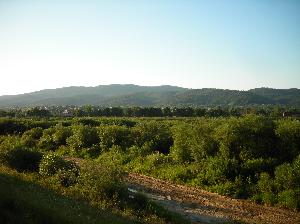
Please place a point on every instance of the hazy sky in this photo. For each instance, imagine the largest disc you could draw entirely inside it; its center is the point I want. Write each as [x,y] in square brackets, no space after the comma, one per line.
[233,44]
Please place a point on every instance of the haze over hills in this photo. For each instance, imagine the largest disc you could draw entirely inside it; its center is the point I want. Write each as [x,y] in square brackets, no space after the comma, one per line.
[166,95]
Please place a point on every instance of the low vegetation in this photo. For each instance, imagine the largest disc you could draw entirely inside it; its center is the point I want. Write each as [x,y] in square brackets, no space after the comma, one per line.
[251,157]
[25,201]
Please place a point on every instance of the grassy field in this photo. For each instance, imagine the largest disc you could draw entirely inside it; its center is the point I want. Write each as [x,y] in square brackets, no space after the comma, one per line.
[26,202]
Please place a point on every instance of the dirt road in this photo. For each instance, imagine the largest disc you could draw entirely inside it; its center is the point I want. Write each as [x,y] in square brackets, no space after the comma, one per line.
[201,206]
[204,207]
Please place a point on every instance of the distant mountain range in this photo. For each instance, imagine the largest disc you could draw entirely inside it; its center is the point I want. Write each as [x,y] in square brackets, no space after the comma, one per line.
[134,95]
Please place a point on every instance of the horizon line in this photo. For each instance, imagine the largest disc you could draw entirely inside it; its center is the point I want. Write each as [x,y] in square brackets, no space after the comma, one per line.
[187,88]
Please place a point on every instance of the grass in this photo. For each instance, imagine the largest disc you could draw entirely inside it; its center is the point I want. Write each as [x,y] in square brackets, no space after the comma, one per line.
[22,201]
[28,198]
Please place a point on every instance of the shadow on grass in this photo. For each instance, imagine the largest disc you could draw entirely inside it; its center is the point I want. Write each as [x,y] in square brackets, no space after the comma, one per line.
[26,202]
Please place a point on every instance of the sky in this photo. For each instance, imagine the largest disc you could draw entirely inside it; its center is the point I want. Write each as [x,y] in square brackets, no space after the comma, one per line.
[229,44]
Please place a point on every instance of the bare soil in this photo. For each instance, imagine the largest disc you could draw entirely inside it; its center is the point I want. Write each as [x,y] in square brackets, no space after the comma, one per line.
[201,206]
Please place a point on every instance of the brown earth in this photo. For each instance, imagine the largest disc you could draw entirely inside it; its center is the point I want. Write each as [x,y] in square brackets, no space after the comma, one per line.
[204,207]
[201,206]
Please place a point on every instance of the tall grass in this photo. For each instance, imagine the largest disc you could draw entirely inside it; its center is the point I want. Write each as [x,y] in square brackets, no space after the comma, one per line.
[23,201]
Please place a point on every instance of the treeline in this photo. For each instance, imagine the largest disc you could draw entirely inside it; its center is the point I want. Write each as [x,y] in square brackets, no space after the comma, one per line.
[252,156]
[97,111]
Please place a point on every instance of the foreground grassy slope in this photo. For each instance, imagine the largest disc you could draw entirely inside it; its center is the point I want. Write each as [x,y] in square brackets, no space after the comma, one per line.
[26,202]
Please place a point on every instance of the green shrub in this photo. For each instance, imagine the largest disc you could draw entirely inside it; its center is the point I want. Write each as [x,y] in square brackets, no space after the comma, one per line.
[181,173]
[288,132]
[23,159]
[147,148]
[227,188]
[52,163]
[181,150]
[101,180]
[114,135]
[83,137]
[68,177]
[269,198]
[114,155]
[135,151]
[8,143]
[266,187]
[284,177]
[65,171]
[155,160]
[61,134]
[46,142]
[91,152]
[253,167]
[265,183]
[247,138]
[155,164]
[64,150]
[216,170]
[30,138]
[11,126]
[290,198]
[239,188]
[15,155]
[157,133]
[287,183]
[87,153]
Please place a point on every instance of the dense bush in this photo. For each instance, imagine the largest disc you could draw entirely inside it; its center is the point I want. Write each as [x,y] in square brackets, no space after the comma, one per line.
[46,142]
[83,137]
[151,163]
[11,126]
[181,150]
[66,171]
[8,143]
[288,132]
[284,188]
[23,159]
[52,163]
[30,138]
[114,135]
[247,138]
[61,134]
[290,198]
[266,188]
[102,180]
[18,126]
[18,156]
[193,142]
[155,134]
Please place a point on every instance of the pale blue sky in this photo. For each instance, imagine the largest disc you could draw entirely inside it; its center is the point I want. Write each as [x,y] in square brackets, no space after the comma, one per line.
[232,44]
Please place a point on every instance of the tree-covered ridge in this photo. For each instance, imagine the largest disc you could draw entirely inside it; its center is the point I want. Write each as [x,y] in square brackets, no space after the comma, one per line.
[280,96]
[80,95]
[133,95]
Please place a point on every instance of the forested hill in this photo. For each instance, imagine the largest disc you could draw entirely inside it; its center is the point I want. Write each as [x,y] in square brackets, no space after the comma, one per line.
[134,95]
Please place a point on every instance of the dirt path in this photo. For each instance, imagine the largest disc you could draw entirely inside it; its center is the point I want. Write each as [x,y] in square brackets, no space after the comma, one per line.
[201,206]
[204,207]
